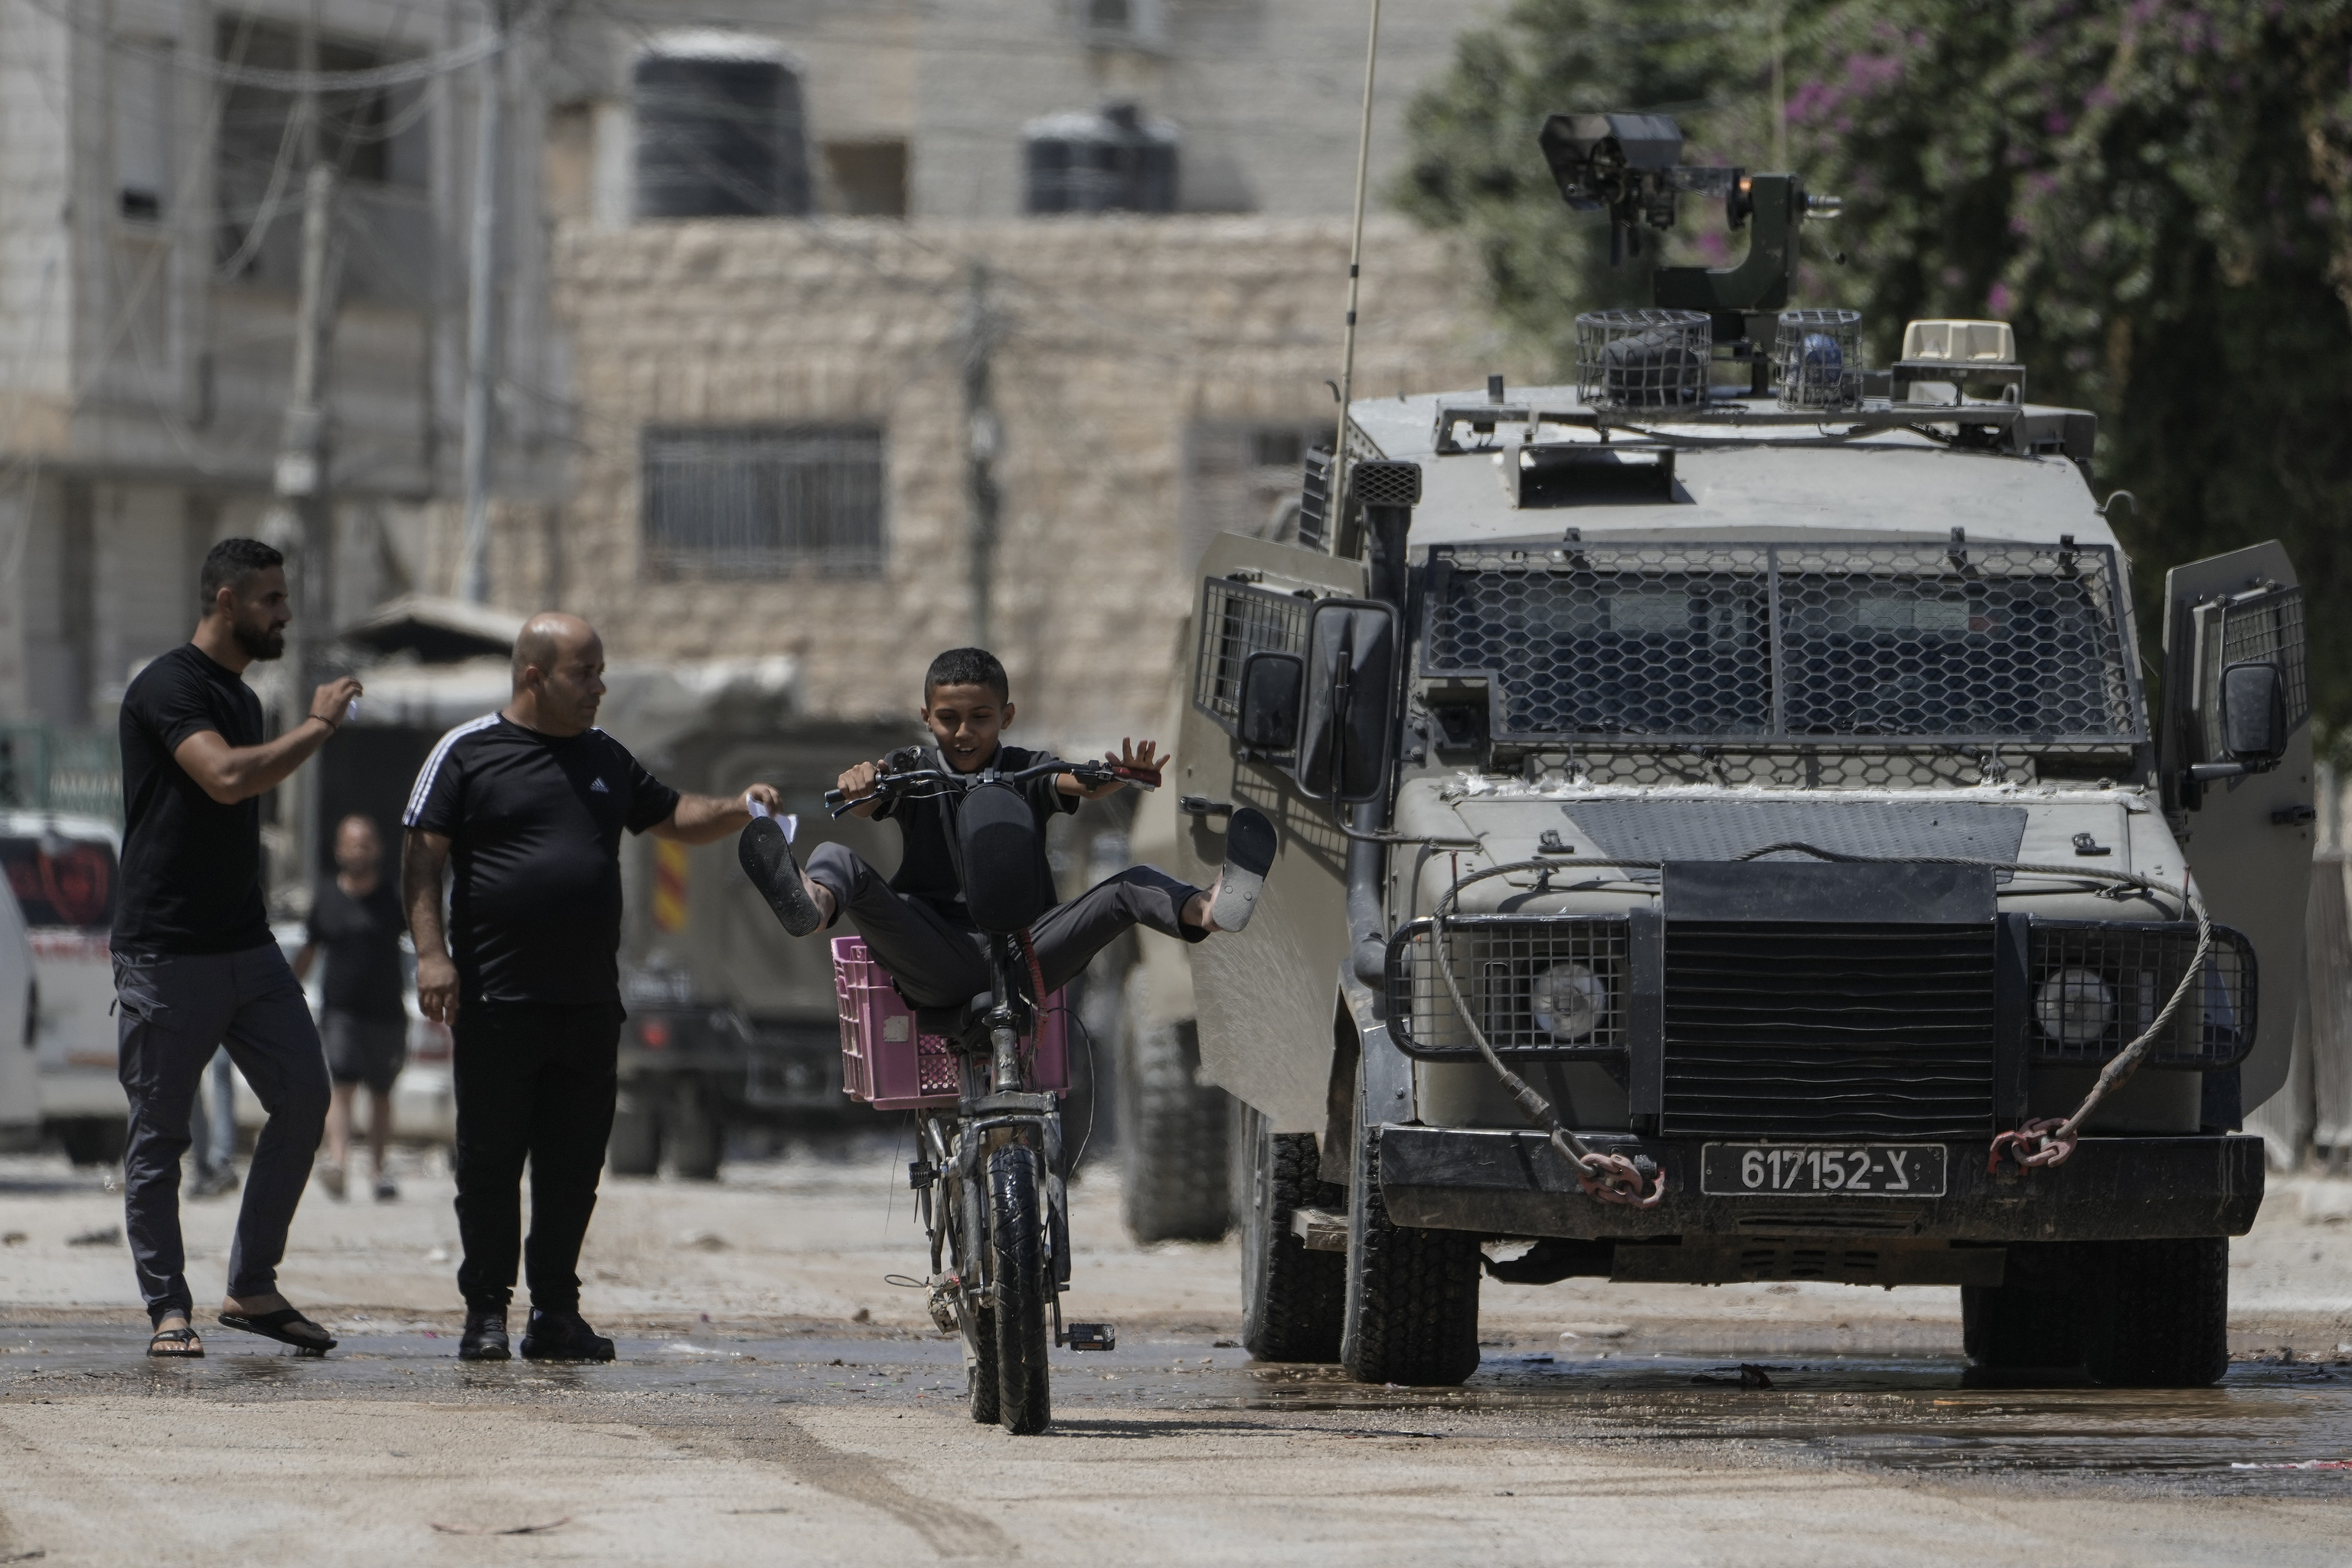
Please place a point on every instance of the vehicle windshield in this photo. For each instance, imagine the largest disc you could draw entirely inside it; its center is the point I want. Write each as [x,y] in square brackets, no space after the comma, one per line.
[1789,643]
[59,882]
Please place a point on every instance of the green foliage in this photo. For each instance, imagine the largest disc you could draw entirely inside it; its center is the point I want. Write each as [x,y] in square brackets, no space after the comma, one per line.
[2157,193]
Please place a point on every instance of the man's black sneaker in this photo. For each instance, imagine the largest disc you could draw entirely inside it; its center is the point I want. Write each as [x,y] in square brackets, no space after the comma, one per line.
[485,1338]
[563,1336]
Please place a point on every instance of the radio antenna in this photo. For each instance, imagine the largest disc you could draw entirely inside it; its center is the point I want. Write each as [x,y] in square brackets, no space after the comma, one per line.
[1339,462]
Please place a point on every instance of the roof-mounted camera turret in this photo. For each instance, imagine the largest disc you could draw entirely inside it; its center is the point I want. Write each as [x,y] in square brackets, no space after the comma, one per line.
[1630,166]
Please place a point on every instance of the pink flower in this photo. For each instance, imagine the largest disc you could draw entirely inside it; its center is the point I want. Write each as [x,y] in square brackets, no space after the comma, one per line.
[1997,302]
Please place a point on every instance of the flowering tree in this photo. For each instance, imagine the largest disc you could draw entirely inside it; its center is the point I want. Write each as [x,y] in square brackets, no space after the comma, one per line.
[2158,193]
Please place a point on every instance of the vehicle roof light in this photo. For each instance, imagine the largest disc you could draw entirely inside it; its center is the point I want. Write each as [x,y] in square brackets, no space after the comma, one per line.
[1977,342]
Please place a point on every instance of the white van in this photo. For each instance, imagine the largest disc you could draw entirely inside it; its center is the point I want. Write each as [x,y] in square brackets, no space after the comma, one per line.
[63,872]
[20,1077]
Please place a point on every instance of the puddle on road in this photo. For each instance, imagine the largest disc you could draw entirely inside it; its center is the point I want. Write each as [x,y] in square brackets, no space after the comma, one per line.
[1919,1412]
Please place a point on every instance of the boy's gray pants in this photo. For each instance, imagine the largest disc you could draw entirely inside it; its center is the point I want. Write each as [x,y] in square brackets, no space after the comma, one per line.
[172,1010]
[938,963]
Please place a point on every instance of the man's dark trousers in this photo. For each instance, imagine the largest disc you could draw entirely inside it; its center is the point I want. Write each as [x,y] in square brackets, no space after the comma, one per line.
[938,963]
[172,1012]
[535,1080]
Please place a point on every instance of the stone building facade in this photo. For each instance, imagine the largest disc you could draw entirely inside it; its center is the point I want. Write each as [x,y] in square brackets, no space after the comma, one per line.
[1127,358]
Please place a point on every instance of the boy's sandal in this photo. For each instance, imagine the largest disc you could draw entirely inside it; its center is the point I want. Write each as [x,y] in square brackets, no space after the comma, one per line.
[766,857]
[176,1344]
[277,1325]
[1251,841]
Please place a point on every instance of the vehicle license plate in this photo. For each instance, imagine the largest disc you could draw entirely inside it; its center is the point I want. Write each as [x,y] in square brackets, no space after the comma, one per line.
[1819,1170]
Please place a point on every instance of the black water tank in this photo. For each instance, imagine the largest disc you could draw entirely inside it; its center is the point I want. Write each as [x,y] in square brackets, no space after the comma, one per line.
[1113,160]
[720,135]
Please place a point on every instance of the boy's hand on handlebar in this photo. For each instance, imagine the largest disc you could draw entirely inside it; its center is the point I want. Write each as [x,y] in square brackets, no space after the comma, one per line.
[859,781]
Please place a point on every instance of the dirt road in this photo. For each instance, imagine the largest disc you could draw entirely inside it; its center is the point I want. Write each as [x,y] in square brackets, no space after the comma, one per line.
[753,1418]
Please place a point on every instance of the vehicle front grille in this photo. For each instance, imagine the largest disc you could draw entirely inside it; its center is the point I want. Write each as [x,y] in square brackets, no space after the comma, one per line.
[1827,1031]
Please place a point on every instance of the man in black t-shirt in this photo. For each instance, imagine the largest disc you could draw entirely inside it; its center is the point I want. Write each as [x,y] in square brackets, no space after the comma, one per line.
[917,925]
[194,965]
[528,806]
[355,920]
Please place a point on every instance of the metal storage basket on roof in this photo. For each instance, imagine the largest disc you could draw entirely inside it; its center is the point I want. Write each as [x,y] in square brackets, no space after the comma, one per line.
[1642,359]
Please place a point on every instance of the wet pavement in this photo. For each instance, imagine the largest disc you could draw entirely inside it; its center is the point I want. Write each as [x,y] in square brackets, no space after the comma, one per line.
[1926,1415]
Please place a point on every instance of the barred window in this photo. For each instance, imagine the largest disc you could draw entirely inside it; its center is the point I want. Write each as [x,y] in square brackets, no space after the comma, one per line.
[765,500]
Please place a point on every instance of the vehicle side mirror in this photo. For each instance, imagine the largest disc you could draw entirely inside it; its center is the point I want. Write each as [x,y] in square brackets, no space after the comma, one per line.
[2253,714]
[1351,696]
[1271,684]
[2251,727]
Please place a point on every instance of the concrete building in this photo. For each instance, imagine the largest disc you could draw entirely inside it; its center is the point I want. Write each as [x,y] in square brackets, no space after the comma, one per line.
[152,177]
[753,256]
[1086,256]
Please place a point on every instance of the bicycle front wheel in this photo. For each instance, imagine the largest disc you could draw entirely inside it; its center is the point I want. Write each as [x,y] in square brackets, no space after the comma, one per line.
[1016,1243]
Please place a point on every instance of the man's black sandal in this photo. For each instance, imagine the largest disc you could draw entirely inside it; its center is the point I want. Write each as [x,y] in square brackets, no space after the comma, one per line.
[1250,844]
[275,1326]
[767,860]
[184,1343]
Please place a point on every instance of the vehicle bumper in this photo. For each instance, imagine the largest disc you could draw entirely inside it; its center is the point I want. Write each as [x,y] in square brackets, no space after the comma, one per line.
[1500,1183]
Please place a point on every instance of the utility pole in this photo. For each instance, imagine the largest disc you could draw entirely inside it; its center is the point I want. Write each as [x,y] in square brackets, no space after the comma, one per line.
[304,447]
[983,438]
[481,313]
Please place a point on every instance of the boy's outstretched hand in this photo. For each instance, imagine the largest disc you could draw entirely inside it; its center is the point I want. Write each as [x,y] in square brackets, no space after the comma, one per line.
[1143,757]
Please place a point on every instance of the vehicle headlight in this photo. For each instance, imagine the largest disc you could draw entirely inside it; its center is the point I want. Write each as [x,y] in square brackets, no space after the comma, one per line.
[1567,1001]
[2074,1005]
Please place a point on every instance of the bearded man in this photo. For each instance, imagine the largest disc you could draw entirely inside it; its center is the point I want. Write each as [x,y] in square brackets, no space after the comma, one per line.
[194,965]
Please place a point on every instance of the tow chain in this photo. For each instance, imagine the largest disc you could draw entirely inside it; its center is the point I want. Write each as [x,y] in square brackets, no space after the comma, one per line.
[2033,1145]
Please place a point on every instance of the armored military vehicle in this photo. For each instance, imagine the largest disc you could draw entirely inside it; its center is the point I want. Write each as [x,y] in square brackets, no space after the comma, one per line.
[1725,837]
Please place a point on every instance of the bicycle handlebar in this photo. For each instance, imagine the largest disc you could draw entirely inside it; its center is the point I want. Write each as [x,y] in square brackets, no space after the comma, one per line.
[891,785]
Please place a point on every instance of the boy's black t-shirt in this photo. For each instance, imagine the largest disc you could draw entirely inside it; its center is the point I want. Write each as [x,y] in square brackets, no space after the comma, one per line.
[534,825]
[927,867]
[360,939]
[191,866]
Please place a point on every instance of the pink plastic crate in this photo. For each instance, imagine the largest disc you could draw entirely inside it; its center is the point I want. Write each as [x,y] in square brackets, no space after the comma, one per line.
[891,1065]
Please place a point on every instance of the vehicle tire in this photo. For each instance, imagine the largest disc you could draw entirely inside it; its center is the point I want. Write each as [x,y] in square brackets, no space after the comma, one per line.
[1017,1259]
[1412,1295]
[93,1139]
[634,1147]
[2029,1322]
[2159,1312]
[1174,1137]
[692,1129]
[1294,1301]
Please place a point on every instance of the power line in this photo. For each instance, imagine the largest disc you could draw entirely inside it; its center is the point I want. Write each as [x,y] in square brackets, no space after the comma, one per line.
[232,73]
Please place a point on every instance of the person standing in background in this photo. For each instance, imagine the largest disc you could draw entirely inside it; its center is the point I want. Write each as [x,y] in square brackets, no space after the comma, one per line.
[194,965]
[212,1130]
[355,919]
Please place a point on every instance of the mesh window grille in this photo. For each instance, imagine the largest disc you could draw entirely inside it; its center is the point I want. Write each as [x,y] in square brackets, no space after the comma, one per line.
[1709,642]
[1553,987]
[1238,619]
[2095,988]
[2267,629]
[763,501]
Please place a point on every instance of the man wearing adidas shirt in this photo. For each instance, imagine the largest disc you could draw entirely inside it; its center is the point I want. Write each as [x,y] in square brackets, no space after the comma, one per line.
[527,807]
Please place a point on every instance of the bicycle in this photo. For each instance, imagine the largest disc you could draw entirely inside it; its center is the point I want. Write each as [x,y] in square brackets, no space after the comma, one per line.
[1000,1227]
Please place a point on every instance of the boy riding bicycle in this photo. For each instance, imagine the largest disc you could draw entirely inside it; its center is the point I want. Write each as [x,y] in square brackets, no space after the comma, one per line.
[916,924]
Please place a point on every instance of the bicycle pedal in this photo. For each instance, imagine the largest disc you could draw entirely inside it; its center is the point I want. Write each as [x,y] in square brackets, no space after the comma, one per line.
[1092,1336]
